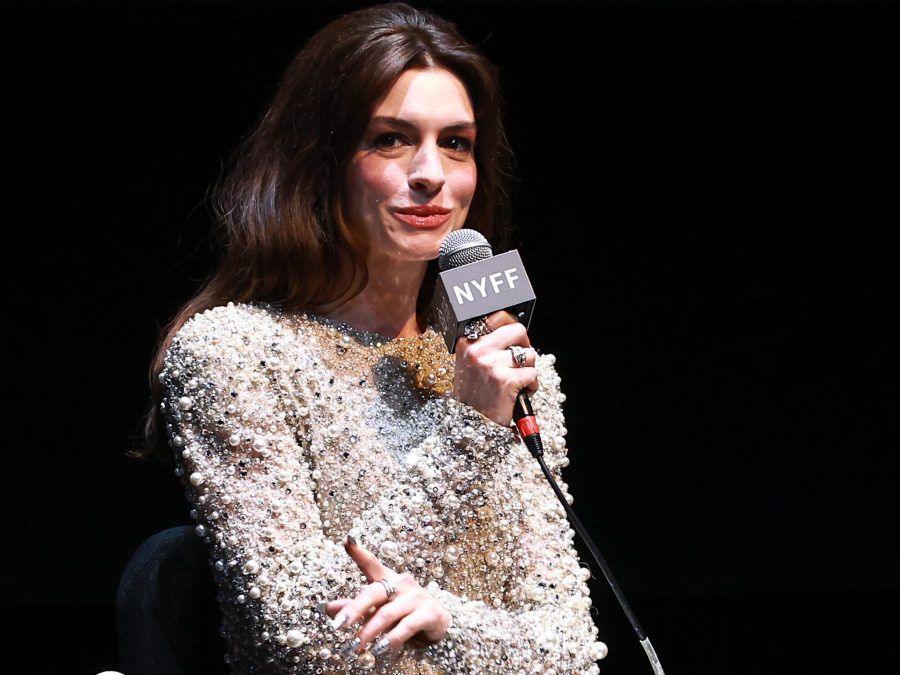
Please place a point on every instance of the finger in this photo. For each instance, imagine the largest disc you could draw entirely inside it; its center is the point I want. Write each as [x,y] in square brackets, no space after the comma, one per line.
[498,319]
[530,358]
[330,610]
[481,350]
[523,378]
[505,358]
[505,336]
[365,560]
[386,617]
[406,628]
[498,364]
[358,608]
[332,607]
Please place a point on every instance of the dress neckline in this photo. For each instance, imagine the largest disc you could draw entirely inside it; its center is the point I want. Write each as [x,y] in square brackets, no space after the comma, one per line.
[367,338]
[423,357]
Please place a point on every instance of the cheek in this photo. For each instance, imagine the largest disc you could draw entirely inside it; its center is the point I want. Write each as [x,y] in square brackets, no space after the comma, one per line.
[381,181]
[462,183]
[371,182]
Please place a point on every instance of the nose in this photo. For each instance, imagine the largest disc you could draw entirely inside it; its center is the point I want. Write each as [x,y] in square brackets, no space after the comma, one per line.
[426,170]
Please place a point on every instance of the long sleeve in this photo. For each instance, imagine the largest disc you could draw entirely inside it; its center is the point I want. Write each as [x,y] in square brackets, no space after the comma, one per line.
[540,620]
[239,444]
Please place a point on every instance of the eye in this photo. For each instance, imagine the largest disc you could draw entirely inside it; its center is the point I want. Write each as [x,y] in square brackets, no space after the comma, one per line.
[388,140]
[458,145]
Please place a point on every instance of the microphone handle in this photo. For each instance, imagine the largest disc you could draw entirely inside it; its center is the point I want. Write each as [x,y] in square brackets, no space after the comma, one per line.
[526,423]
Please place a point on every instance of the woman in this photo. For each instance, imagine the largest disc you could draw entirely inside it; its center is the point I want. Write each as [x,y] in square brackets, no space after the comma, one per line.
[366,503]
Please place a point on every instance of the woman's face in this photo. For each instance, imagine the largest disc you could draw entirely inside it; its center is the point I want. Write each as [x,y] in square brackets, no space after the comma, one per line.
[412,177]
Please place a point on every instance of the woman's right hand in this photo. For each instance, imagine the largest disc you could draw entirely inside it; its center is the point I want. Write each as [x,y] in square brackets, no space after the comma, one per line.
[487,377]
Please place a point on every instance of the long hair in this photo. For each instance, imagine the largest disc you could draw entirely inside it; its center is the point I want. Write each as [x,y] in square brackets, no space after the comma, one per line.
[279,205]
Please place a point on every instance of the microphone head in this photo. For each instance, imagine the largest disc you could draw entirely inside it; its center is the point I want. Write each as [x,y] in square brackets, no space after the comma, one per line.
[462,247]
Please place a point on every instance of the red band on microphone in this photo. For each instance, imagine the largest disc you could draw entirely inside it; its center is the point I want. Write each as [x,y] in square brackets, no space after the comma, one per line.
[528,426]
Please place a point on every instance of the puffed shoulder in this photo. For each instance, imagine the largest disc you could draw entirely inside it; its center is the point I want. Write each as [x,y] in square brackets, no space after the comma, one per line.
[246,358]
[239,323]
[248,329]
[256,341]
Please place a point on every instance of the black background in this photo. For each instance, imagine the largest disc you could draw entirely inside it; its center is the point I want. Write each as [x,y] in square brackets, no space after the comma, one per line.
[706,203]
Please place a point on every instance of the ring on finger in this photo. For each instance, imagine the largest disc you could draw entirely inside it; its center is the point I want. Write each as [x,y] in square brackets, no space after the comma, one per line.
[389,588]
[476,328]
[519,355]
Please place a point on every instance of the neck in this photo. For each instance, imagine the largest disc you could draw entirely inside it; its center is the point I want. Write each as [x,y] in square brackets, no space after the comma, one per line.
[387,304]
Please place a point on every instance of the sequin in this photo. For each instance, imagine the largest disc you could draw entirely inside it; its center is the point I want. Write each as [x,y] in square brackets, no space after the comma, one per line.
[296,431]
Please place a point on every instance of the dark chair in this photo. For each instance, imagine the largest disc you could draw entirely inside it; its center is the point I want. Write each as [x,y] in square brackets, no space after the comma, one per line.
[166,615]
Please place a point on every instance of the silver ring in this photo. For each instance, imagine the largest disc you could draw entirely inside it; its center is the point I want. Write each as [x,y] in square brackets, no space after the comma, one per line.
[519,355]
[388,587]
[475,329]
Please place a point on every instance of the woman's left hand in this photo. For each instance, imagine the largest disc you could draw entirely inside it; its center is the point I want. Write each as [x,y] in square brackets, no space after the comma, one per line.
[410,615]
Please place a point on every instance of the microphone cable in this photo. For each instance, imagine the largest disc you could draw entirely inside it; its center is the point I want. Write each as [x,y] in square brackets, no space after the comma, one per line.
[527,425]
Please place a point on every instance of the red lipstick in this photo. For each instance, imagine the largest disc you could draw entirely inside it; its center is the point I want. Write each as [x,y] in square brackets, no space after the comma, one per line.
[424,217]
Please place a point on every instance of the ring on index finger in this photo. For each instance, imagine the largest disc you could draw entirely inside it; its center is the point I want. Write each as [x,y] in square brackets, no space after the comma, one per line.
[389,588]
[519,355]
[475,329]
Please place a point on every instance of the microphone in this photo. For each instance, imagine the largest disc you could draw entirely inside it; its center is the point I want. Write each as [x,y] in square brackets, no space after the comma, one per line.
[474,283]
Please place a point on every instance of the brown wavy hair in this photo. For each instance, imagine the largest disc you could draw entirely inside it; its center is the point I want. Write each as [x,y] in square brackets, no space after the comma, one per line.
[279,204]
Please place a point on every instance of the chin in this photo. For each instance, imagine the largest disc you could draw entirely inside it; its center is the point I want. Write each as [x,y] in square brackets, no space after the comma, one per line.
[425,245]
[421,253]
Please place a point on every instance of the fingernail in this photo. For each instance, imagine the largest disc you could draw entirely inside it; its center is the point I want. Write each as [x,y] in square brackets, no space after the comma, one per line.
[320,608]
[381,647]
[339,620]
[350,646]
[351,541]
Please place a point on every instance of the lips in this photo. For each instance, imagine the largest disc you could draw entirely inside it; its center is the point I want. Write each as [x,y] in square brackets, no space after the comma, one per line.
[423,217]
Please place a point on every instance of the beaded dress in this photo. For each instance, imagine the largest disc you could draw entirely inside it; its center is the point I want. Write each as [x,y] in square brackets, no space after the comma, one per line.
[290,432]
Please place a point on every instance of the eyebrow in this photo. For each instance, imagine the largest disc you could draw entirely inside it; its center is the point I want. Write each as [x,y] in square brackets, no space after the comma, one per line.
[406,124]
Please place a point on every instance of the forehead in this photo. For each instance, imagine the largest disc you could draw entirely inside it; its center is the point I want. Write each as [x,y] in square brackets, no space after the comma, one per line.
[422,95]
